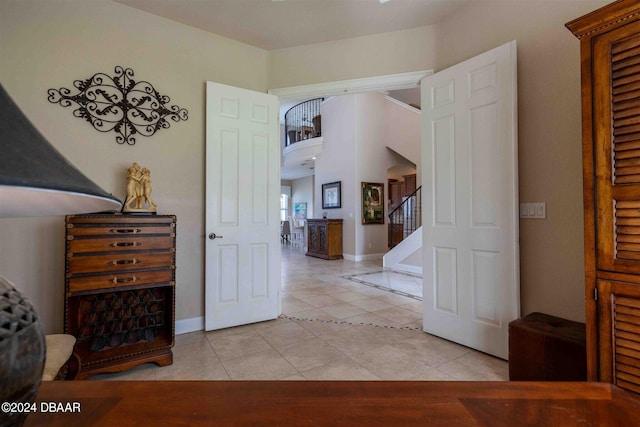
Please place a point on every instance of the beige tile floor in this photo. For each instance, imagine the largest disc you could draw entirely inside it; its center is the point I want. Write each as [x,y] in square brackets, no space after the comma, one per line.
[331,329]
[400,283]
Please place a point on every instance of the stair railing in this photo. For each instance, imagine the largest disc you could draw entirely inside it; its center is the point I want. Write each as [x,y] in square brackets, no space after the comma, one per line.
[405,218]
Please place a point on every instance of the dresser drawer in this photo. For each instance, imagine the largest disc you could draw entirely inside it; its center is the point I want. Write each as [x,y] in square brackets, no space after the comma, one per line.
[105,244]
[119,230]
[118,262]
[108,281]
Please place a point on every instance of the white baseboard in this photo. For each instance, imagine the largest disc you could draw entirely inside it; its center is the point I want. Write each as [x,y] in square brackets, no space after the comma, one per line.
[358,258]
[193,324]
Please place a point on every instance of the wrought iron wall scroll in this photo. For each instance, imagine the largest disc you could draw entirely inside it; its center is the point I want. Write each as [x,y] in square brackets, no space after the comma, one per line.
[119,104]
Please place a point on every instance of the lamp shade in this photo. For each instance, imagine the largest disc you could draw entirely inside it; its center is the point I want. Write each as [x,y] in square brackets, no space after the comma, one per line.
[35,179]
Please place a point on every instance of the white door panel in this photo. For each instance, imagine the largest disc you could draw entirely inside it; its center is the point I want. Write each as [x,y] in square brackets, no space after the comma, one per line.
[242,207]
[470,234]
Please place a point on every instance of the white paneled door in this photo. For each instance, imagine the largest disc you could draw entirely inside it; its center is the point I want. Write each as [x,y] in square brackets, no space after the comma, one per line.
[470,196]
[242,207]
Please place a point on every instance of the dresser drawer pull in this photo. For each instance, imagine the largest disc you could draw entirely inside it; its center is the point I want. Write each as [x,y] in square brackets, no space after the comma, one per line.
[124,261]
[124,244]
[125,230]
[115,280]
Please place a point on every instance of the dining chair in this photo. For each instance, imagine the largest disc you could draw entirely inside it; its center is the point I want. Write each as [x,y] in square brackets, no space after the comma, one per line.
[296,227]
[285,231]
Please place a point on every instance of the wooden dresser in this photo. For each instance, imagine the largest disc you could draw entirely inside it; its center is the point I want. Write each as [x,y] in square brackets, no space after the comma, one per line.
[610,58]
[324,238]
[120,290]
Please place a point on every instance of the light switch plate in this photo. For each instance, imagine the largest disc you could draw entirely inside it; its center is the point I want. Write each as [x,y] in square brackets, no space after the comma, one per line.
[533,210]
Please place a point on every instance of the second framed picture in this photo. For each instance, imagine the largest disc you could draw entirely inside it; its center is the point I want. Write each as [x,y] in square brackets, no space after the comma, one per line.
[331,197]
[372,203]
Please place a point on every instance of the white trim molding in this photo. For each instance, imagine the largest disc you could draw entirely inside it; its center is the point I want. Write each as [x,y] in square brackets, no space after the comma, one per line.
[193,324]
[367,84]
[403,105]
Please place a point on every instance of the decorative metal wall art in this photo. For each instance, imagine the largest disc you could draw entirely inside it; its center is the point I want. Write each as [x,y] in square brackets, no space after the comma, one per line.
[119,103]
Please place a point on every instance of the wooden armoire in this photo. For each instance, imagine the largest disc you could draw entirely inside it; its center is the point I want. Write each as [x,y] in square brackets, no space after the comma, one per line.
[610,68]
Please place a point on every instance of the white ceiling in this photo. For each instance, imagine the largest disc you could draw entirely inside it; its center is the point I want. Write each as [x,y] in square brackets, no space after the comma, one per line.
[276,24]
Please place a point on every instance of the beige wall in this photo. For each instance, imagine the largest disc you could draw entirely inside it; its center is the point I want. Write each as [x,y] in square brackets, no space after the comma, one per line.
[403,133]
[372,161]
[46,44]
[302,192]
[49,44]
[549,137]
[337,162]
[380,54]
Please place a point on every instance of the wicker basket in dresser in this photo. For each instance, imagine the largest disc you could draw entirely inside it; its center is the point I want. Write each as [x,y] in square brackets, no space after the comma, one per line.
[120,290]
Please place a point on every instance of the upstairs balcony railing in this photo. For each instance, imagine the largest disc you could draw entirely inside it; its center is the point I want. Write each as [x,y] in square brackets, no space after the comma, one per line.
[302,121]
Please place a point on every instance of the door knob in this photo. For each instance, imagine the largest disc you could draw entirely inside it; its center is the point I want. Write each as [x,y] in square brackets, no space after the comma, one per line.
[214,236]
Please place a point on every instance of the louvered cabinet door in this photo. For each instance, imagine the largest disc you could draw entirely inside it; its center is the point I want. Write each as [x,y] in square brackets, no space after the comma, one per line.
[616,133]
[619,307]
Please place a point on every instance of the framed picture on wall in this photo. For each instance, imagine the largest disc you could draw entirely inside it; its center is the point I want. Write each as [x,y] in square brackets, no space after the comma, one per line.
[372,203]
[300,210]
[331,197]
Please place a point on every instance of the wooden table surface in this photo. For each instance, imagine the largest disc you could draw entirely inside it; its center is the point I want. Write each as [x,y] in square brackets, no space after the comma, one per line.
[334,403]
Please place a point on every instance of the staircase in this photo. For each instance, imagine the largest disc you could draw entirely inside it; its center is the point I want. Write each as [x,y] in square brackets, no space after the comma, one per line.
[405,218]
[403,136]
[405,235]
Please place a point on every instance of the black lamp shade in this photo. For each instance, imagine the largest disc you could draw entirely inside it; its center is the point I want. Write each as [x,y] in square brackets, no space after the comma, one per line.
[35,179]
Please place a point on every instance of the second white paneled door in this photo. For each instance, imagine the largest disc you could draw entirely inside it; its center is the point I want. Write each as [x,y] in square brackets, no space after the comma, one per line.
[470,212]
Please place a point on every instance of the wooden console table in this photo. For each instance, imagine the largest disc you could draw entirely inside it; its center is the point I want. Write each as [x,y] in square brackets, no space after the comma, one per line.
[336,403]
[324,238]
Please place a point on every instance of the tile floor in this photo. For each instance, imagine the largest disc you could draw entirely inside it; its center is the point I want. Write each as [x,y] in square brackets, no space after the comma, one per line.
[332,328]
[409,285]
